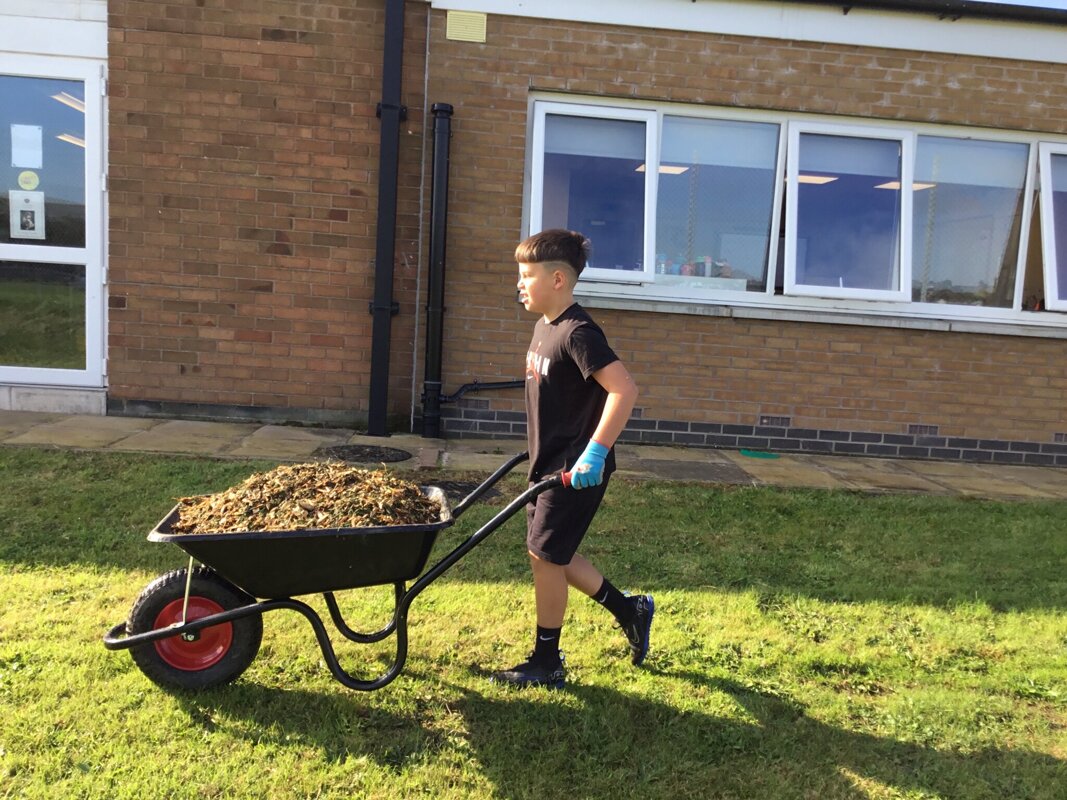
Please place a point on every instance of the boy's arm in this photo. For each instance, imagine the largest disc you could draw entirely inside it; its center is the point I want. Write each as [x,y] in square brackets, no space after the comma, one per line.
[622,393]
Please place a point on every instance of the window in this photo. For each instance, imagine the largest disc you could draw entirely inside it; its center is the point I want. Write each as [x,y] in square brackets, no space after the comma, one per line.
[968,209]
[591,174]
[731,207]
[42,315]
[1054,224]
[715,203]
[42,130]
[846,216]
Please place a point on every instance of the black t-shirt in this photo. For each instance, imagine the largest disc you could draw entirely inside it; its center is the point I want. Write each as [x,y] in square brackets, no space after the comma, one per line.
[563,401]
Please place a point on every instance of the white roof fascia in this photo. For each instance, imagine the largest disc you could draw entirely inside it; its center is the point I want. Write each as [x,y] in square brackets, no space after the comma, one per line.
[71,28]
[899,30]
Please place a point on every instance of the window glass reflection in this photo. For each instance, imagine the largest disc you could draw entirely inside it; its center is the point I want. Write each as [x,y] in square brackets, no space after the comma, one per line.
[1059,221]
[42,315]
[848,212]
[967,212]
[714,204]
[42,161]
[594,182]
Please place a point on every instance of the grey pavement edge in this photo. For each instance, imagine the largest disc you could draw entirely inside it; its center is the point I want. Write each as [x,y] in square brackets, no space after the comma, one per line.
[719,467]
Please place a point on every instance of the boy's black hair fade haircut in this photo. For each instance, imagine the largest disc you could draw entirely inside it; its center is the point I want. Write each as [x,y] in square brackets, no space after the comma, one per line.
[555,244]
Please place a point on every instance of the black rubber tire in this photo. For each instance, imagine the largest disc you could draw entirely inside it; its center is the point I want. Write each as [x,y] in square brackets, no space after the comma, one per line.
[175,664]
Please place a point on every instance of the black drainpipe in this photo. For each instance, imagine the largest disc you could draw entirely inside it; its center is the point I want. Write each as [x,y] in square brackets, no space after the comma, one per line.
[432,398]
[391,113]
[435,304]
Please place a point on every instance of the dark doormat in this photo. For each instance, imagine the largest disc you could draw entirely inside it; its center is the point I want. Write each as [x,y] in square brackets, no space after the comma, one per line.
[363,454]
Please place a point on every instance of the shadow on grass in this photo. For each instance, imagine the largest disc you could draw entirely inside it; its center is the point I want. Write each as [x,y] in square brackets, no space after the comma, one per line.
[338,725]
[603,743]
[595,742]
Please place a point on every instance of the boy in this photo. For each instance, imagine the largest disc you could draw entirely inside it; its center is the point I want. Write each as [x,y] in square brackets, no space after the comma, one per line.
[578,399]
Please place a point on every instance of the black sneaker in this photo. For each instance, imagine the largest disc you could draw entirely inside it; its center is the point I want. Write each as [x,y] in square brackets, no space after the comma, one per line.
[530,673]
[638,629]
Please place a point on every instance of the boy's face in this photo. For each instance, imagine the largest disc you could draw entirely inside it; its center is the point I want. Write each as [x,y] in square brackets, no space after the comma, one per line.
[537,286]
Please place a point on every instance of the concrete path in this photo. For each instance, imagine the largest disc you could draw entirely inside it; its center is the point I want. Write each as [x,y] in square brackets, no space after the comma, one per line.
[723,467]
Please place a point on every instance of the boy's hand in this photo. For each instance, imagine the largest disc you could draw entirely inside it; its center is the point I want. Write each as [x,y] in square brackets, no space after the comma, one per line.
[589,468]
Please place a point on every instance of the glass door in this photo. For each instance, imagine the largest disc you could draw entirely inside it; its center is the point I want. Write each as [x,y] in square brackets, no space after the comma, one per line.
[51,222]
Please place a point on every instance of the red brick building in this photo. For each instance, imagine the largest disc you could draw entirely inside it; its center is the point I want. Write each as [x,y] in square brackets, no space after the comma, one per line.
[816,226]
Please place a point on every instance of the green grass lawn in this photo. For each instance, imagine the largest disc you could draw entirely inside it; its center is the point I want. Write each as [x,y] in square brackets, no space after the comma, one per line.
[807,644]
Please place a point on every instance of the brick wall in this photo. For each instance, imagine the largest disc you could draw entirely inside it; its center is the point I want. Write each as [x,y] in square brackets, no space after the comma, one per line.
[699,374]
[243,153]
[243,204]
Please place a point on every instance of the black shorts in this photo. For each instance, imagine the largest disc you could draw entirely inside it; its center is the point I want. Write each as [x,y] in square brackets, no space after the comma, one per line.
[556,521]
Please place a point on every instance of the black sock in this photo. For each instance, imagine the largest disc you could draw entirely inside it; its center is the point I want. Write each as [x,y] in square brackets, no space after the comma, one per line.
[615,602]
[546,646]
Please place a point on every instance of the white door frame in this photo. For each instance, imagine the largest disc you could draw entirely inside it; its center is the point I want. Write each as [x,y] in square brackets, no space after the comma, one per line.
[92,256]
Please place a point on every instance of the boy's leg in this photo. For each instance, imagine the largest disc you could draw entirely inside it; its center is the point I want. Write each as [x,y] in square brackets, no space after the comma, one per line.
[550,592]
[583,576]
[544,667]
[556,521]
[634,614]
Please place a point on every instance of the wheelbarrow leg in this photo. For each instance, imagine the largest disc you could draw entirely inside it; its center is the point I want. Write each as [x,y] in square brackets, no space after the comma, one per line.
[363,638]
[399,622]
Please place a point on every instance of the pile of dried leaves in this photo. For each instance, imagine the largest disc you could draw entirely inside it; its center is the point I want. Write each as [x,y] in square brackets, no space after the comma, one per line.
[315,495]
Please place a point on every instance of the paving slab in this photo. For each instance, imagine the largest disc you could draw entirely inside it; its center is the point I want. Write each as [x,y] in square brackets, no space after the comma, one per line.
[470,461]
[974,480]
[181,436]
[481,455]
[879,475]
[84,431]
[789,471]
[14,423]
[1048,480]
[287,443]
[655,452]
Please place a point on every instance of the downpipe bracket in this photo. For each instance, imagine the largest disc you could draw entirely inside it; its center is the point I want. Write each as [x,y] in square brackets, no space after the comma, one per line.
[401,110]
[393,309]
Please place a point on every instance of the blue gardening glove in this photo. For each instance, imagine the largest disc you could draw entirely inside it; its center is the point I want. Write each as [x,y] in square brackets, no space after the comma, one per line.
[589,468]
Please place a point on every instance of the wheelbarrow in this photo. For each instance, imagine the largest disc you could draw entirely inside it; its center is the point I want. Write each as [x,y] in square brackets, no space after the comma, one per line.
[201,627]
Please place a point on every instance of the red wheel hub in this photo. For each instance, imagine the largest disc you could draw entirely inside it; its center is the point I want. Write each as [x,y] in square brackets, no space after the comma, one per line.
[202,649]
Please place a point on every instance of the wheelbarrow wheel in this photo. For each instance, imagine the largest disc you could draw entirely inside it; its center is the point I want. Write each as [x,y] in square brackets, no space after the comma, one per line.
[212,656]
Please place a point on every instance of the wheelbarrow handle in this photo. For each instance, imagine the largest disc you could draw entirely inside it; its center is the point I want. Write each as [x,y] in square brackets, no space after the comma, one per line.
[562,479]
[476,538]
[488,483]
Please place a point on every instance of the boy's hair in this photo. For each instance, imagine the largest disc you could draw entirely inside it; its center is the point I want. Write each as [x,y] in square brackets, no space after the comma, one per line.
[555,244]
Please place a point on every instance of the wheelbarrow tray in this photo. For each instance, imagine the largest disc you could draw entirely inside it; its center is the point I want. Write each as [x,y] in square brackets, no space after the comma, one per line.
[276,564]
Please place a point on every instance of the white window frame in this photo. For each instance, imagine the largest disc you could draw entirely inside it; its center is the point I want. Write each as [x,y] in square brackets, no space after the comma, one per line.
[728,115]
[906,139]
[1024,226]
[537,172]
[91,74]
[1053,302]
[649,294]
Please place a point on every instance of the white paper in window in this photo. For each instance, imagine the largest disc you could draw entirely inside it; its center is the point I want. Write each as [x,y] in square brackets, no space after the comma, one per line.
[26,214]
[26,147]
